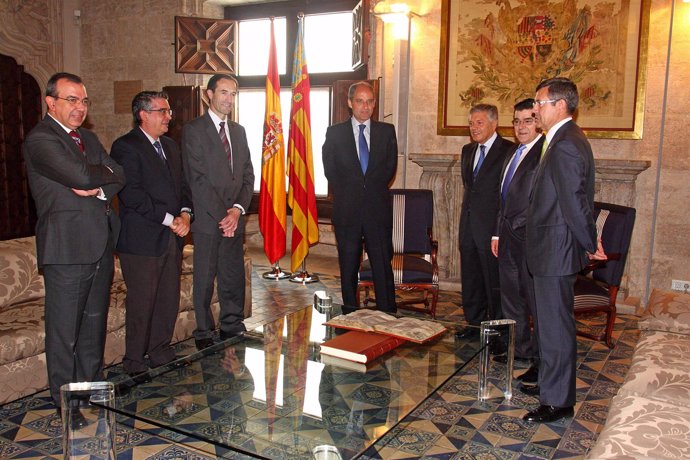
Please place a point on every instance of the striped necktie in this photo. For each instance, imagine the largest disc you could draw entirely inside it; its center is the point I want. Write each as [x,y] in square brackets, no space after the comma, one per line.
[77,139]
[226,143]
[511,171]
[159,150]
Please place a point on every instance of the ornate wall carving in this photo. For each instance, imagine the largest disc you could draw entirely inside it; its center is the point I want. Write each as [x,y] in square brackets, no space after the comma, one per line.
[31,33]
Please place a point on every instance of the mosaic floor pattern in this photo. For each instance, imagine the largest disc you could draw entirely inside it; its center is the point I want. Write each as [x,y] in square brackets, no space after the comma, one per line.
[452,424]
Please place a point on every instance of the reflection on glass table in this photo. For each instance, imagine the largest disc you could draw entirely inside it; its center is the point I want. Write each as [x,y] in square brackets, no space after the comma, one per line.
[268,395]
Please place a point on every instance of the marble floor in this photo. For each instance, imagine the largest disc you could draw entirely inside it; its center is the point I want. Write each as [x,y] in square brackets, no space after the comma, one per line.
[452,424]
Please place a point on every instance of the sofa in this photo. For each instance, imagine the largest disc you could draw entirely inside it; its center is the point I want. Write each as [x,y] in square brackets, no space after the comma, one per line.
[22,332]
[649,418]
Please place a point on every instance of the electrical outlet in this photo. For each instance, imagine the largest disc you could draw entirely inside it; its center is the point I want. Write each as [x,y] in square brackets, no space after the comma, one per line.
[680,285]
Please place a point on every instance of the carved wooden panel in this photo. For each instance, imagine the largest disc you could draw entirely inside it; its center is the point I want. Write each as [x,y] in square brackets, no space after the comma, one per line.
[205,45]
[360,34]
[20,110]
[186,103]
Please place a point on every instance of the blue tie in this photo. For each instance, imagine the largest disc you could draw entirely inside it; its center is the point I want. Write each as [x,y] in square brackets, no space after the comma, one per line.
[511,171]
[482,155]
[159,150]
[363,149]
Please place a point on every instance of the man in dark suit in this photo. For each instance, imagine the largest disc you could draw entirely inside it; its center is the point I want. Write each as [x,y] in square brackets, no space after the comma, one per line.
[481,163]
[73,180]
[508,244]
[220,174]
[360,157]
[155,210]
[560,233]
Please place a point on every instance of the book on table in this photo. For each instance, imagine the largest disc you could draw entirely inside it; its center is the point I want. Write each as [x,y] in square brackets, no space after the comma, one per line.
[345,364]
[359,346]
[407,328]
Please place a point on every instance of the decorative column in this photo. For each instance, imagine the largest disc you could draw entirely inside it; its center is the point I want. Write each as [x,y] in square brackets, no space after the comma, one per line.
[441,174]
[615,180]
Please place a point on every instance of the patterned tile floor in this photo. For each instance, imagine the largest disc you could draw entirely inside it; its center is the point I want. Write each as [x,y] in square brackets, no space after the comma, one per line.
[452,424]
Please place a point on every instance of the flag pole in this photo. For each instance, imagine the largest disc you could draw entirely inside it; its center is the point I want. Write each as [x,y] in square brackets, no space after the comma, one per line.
[276,273]
[301,195]
[272,212]
[303,276]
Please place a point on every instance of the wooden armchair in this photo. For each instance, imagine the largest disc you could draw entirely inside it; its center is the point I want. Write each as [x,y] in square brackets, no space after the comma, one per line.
[597,285]
[414,252]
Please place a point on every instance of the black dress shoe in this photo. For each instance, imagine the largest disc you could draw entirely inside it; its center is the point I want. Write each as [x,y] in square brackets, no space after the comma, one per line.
[77,420]
[520,363]
[140,377]
[546,414]
[230,335]
[203,343]
[531,390]
[467,333]
[531,376]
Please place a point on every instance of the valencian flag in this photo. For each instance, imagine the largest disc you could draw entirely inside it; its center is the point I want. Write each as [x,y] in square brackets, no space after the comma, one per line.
[301,195]
[272,212]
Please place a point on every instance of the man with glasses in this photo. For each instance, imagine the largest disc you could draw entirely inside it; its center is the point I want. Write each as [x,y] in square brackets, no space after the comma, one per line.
[220,174]
[73,181]
[560,234]
[156,213]
[509,243]
[480,162]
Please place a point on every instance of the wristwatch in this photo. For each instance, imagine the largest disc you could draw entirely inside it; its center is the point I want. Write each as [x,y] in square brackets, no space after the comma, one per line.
[191,214]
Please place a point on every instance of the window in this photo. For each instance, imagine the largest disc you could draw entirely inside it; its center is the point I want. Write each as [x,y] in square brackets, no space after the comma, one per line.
[328,29]
[251,105]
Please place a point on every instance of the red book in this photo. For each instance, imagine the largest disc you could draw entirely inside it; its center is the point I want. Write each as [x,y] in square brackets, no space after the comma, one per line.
[359,346]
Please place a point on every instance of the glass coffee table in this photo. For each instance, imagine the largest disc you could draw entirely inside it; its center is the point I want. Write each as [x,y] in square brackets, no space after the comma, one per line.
[269,395]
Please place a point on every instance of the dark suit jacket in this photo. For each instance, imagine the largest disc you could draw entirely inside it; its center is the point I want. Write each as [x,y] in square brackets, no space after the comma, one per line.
[560,224]
[358,196]
[153,189]
[215,187]
[481,195]
[512,215]
[71,229]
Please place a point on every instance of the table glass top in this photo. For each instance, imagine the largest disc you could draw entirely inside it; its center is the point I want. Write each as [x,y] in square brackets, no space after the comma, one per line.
[270,394]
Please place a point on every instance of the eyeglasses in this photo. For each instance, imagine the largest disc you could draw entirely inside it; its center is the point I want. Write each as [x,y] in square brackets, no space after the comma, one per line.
[526,122]
[161,111]
[74,100]
[539,103]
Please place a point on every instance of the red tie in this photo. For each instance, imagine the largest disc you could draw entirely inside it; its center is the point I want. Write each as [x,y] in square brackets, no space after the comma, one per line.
[226,142]
[77,138]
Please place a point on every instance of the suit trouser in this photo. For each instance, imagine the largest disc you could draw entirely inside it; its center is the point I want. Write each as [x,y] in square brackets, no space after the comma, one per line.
[481,296]
[378,242]
[555,327]
[216,256]
[76,313]
[515,285]
[153,300]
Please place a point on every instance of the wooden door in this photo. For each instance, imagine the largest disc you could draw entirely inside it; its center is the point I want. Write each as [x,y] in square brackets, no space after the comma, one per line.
[20,111]
[187,104]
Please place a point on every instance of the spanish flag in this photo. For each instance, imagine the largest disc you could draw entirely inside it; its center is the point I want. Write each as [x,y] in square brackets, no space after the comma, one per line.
[272,208]
[301,195]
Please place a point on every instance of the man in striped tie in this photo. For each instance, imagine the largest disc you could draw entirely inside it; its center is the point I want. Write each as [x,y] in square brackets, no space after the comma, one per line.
[220,174]
[73,180]
[156,212]
[508,244]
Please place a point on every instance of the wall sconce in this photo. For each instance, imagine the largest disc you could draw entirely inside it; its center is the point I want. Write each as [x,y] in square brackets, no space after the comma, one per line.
[396,14]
